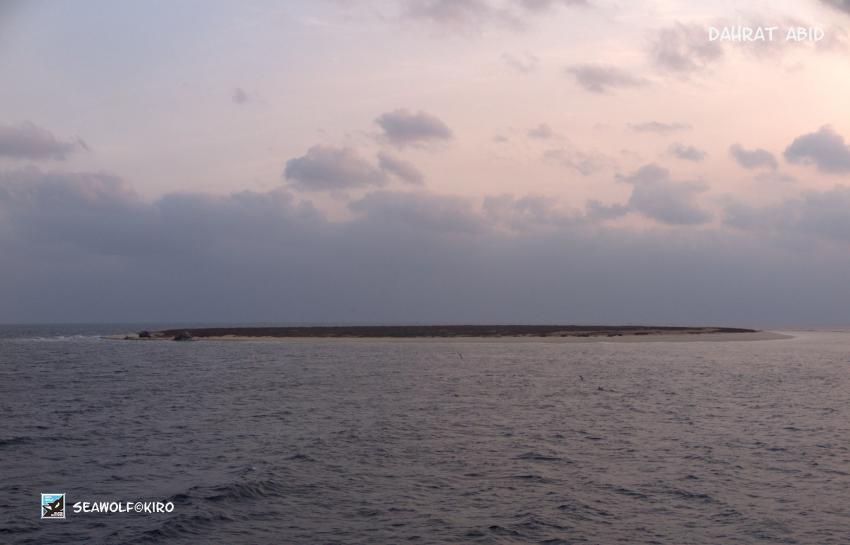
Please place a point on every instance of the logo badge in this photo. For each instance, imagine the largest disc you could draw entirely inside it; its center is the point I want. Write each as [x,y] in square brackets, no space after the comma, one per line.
[53,506]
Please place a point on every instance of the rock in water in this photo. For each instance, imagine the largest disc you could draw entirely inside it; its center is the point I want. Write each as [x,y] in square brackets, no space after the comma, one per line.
[185,336]
[144,334]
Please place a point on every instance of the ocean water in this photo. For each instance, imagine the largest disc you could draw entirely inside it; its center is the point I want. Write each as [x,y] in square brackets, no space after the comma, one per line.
[354,442]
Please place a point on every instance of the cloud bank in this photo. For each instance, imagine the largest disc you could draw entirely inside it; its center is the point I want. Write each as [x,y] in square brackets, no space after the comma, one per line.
[599,78]
[755,158]
[524,63]
[585,163]
[404,170]
[28,141]
[683,49]
[840,5]
[825,149]
[474,13]
[658,197]
[327,168]
[659,127]
[82,246]
[405,128]
[687,153]
[541,132]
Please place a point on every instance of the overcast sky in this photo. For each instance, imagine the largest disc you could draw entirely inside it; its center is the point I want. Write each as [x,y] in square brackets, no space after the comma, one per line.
[406,161]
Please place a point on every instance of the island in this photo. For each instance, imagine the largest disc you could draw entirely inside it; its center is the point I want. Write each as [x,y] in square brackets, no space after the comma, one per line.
[504,332]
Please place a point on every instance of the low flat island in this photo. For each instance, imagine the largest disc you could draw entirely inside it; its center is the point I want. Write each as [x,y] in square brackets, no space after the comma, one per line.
[504,332]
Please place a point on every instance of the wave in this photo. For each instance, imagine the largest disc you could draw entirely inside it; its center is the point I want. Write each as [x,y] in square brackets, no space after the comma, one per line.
[56,338]
[246,491]
[14,441]
[183,525]
[537,457]
[200,510]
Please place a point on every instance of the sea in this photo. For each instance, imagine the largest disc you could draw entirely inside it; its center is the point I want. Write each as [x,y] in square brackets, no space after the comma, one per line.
[425,441]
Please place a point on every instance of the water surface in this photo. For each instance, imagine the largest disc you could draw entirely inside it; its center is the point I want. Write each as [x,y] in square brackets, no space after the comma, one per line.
[427,441]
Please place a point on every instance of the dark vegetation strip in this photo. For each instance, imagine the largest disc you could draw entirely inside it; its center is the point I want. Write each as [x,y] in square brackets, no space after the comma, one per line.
[445,331]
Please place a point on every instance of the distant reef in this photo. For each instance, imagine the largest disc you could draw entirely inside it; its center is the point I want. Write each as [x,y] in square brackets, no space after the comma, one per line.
[428,331]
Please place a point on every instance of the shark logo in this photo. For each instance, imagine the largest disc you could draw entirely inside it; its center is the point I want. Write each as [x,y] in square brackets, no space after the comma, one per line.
[53,506]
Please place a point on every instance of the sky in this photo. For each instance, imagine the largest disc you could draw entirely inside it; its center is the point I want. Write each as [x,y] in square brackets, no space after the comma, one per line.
[425,161]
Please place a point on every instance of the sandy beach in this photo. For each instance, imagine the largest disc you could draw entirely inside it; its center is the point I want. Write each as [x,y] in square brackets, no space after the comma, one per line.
[636,335]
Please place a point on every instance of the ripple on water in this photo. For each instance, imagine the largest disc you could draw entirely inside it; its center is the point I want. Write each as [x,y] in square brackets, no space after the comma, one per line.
[370,442]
